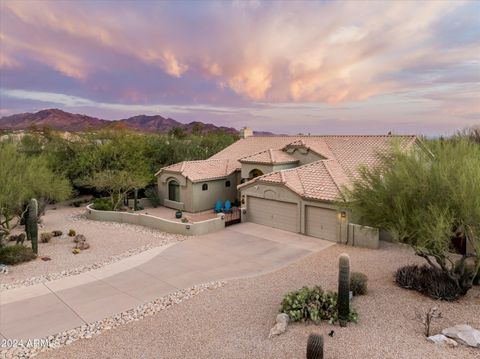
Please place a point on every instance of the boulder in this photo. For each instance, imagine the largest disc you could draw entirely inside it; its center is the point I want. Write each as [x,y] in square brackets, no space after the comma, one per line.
[280,326]
[463,334]
[442,340]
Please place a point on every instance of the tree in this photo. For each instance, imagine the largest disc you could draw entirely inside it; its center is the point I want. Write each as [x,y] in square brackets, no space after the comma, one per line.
[425,201]
[22,178]
[117,183]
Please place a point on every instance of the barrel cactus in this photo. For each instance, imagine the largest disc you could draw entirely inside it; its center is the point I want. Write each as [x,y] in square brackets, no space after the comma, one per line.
[315,346]
[343,289]
[31,225]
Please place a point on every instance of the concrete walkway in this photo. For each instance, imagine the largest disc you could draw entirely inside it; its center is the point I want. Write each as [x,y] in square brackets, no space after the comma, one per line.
[242,250]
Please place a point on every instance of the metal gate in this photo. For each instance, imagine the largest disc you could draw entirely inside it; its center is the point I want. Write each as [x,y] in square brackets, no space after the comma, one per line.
[233,217]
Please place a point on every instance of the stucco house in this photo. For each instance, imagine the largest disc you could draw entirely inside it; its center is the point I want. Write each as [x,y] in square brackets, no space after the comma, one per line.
[286,182]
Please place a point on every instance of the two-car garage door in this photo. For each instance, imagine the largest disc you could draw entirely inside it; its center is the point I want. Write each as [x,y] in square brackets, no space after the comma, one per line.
[319,222]
[277,214]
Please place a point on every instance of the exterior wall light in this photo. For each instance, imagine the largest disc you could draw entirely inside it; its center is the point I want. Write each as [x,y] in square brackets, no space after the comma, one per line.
[244,211]
[187,226]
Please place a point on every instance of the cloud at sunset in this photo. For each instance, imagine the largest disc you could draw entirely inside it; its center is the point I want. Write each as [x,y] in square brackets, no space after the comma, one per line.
[249,56]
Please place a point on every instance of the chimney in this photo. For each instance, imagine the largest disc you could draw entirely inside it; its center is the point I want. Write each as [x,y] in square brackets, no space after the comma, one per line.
[246,132]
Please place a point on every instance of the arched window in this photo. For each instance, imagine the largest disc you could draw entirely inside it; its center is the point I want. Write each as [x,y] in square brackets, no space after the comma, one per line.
[204,187]
[255,173]
[173,191]
[227,184]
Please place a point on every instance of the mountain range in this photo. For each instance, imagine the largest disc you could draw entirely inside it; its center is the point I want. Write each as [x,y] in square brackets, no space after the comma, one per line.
[65,121]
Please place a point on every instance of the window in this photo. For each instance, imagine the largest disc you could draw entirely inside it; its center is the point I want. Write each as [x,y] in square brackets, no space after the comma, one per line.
[255,173]
[204,187]
[227,184]
[173,191]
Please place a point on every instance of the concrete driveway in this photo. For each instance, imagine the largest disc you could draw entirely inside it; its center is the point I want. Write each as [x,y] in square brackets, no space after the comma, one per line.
[241,250]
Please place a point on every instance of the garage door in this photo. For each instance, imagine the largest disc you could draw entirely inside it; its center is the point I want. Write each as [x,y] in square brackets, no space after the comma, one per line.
[321,223]
[281,215]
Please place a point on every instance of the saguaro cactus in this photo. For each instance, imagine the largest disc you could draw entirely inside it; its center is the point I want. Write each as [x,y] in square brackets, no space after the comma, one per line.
[315,346]
[343,302]
[31,225]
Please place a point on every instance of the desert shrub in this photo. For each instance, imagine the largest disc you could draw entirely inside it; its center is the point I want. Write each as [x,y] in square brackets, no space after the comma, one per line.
[77,203]
[57,233]
[45,237]
[469,270]
[102,204]
[152,194]
[312,304]
[358,283]
[429,281]
[72,233]
[11,255]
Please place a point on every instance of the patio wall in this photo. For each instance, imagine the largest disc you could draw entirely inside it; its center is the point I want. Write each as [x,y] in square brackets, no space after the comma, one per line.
[188,229]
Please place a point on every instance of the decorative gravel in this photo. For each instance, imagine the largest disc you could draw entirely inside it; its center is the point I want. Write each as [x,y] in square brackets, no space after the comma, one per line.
[234,321]
[109,241]
[88,331]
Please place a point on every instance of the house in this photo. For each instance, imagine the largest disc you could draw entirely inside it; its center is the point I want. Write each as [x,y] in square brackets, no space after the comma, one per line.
[286,182]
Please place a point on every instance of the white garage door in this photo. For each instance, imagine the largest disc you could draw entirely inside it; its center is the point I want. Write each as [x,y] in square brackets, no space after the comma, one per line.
[281,215]
[321,223]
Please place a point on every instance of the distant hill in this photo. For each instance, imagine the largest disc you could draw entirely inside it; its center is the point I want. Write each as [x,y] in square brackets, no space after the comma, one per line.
[65,121]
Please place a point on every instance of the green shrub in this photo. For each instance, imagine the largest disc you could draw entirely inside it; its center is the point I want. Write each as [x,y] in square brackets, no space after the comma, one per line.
[102,204]
[312,304]
[429,281]
[72,233]
[152,194]
[358,283]
[57,233]
[11,255]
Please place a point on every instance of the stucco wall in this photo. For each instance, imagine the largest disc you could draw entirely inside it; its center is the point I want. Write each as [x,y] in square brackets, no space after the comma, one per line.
[188,229]
[363,236]
[304,156]
[185,191]
[204,200]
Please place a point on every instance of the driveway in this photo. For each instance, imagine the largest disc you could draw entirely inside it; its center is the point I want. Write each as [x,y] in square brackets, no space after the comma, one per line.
[241,250]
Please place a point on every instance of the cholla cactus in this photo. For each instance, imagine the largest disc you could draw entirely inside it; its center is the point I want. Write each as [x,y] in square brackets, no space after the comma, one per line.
[31,226]
[343,289]
[315,346]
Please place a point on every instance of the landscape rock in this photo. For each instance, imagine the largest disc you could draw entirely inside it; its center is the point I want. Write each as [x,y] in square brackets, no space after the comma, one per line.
[464,334]
[442,340]
[3,269]
[280,326]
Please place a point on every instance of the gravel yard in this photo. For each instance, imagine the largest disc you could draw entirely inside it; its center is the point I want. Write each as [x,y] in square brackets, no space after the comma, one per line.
[234,321]
[108,242]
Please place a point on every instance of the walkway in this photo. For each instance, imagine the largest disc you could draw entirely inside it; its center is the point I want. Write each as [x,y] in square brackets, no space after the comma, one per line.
[242,250]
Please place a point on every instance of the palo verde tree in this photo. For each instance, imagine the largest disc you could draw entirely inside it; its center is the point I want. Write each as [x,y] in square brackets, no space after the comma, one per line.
[23,178]
[424,199]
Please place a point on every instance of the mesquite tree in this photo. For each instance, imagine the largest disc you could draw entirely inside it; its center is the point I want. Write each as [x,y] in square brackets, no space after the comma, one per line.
[424,198]
[22,178]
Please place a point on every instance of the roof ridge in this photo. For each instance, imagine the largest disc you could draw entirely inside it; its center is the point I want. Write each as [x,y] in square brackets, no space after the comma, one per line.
[332,177]
[182,168]
[270,153]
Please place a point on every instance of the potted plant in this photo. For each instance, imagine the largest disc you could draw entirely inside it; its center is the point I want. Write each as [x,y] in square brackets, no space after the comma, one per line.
[178,214]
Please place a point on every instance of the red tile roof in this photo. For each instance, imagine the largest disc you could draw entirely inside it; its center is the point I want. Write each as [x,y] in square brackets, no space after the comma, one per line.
[269,156]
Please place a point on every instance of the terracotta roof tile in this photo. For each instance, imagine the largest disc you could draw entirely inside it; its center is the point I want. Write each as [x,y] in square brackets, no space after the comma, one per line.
[270,156]
[200,170]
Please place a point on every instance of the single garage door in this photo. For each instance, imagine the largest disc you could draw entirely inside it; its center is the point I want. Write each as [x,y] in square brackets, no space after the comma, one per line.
[277,214]
[321,223]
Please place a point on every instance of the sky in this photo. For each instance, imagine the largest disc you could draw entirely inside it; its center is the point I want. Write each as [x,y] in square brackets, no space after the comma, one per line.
[319,67]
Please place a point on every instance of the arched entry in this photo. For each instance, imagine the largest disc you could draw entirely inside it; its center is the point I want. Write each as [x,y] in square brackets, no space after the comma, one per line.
[173,191]
[255,173]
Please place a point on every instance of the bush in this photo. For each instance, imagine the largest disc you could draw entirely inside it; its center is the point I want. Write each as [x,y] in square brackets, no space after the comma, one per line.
[152,194]
[11,255]
[77,203]
[429,281]
[358,283]
[469,270]
[102,204]
[72,233]
[45,237]
[314,304]
[57,233]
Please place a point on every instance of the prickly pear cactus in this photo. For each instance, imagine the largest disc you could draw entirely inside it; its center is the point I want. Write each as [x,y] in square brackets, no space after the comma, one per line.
[315,346]
[31,226]
[343,289]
